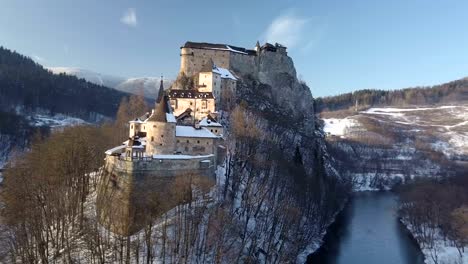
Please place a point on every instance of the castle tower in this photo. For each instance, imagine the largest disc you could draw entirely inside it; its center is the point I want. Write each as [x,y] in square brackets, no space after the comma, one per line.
[208,79]
[160,136]
[257,47]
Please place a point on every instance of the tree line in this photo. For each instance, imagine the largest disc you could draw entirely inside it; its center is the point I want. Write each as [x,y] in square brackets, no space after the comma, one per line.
[449,92]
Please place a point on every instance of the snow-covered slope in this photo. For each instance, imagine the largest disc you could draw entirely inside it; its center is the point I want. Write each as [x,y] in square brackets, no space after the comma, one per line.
[90,76]
[381,147]
[148,85]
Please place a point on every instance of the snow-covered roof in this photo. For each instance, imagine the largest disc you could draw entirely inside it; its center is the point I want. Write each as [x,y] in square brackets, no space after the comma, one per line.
[179,156]
[206,122]
[170,118]
[136,121]
[225,73]
[117,149]
[213,46]
[189,131]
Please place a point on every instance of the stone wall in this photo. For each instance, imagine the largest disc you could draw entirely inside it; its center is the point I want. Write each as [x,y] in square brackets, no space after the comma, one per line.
[243,64]
[195,146]
[160,137]
[192,60]
[128,189]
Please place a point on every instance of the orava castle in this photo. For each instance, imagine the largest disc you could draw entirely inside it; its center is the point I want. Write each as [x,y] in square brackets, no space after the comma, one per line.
[182,135]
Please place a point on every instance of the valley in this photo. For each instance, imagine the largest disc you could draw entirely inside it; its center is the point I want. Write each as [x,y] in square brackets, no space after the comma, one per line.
[382,147]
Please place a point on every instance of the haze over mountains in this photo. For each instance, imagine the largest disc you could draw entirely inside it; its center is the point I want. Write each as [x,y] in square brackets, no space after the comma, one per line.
[148,85]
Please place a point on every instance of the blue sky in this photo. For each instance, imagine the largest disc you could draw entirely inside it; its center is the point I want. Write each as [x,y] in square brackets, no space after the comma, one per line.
[337,46]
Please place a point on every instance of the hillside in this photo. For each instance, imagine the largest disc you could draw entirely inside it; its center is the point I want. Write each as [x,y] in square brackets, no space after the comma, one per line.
[34,99]
[27,86]
[454,91]
[382,147]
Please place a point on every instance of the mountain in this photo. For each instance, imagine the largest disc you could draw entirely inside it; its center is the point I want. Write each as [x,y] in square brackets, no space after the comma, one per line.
[90,76]
[148,85]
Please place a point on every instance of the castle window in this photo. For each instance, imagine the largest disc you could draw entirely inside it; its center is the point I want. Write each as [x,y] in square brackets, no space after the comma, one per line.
[144,127]
[152,139]
[188,141]
[216,130]
[178,141]
[191,103]
[198,141]
[131,126]
[160,144]
[162,135]
[154,126]
[211,130]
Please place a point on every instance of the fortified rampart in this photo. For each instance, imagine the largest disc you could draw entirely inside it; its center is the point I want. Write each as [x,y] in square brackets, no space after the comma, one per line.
[130,189]
[242,61]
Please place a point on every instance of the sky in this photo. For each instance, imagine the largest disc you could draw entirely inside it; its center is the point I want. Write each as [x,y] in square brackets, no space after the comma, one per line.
[337,46]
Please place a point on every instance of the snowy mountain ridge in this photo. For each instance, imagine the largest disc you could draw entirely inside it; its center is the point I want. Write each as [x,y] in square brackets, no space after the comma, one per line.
[135,85]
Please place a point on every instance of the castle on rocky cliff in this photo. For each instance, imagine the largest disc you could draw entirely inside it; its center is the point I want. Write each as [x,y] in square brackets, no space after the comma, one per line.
[180,136]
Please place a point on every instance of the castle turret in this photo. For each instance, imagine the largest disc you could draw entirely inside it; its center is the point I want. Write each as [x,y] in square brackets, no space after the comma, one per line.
[257,47]
[160,136]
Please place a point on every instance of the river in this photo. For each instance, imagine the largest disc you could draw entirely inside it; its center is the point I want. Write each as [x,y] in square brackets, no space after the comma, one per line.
[368,231]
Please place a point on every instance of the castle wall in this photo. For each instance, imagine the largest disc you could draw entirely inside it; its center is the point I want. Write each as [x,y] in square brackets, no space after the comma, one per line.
[128,190]
[160,137]
[162,167]
[195,146]
[196,104]
[215,130]
[243,64]
[209,82]
[192,60]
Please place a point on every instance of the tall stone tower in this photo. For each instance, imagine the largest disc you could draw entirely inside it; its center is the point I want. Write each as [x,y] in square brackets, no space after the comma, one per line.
[161,131]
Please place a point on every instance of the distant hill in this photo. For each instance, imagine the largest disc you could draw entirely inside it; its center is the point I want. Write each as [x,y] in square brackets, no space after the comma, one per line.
[28,85]
[148,85]
[90,76]
[455,91]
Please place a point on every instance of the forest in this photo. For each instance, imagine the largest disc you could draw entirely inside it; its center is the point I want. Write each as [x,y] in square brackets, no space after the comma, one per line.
[26,84]
[438,94]
[437,210]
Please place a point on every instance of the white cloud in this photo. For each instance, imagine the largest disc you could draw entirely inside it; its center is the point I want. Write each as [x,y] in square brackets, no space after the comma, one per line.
[293,31]
[287,29]
[129,18]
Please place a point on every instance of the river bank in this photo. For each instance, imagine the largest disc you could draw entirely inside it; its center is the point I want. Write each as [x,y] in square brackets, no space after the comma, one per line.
[443,251]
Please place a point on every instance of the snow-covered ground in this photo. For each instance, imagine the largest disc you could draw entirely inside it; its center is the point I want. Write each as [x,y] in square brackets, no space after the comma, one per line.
[55,121]
[387,146]
[339,127]
[447,125]
[443,251]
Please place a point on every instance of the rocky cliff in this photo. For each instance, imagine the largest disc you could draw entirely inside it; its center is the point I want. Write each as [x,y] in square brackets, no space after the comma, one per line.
[293,145]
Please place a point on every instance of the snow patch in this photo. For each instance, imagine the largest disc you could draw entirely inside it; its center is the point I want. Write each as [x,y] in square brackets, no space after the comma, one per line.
[338,127]
[55,121]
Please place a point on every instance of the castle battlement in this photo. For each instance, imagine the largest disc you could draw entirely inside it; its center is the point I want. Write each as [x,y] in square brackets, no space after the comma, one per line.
[194,55]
